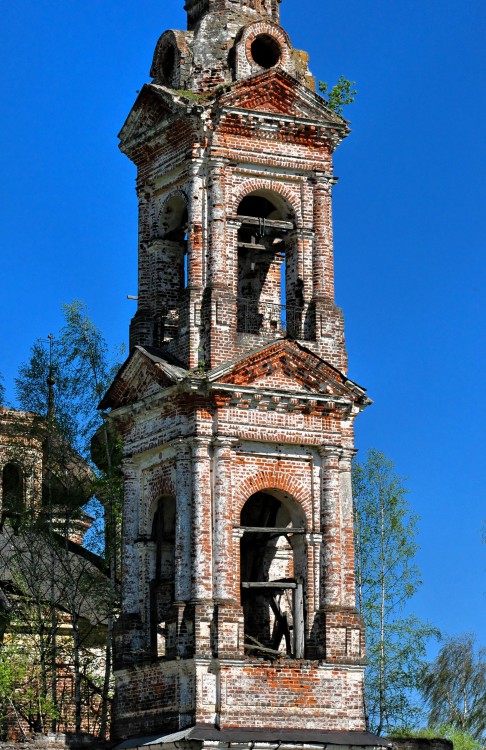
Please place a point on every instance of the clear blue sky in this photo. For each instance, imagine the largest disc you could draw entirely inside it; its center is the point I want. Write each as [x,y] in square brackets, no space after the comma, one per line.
[409,225]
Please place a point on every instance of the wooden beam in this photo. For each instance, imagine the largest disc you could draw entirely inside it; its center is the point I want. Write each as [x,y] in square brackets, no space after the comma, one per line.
[273,530]
[267,223]
[268,585]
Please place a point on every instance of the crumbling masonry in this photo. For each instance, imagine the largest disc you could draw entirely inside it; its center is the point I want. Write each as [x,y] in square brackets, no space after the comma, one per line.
[239,620]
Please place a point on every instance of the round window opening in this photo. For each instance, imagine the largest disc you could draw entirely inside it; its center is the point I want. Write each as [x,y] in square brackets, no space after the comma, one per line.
[168,63]
[265,51]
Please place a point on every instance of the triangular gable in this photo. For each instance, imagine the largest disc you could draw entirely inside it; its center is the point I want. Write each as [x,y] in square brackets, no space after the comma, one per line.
[288,366]
[143,374]
[153,107]
[277,92]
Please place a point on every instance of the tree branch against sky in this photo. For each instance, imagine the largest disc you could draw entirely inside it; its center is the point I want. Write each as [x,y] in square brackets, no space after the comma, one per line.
[2,390]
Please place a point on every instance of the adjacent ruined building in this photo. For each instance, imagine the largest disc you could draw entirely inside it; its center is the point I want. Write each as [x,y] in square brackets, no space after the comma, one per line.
[44,568]
[239,621]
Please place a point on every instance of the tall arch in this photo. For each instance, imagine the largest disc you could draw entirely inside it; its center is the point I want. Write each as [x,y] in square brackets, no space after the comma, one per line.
[162,572]
[169,264]
[268,265]
[273,570]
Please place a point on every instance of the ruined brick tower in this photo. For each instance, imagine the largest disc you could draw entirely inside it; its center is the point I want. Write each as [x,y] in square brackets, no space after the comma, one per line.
[238,618]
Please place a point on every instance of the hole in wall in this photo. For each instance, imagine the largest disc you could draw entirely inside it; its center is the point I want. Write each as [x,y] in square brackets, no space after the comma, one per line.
[266,51]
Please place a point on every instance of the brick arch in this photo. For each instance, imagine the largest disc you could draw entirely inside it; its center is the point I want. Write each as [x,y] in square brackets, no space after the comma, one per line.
[272,29]
[161,203]
[163,486]
[163,200]
[250,186]
[178,41]
[276,479]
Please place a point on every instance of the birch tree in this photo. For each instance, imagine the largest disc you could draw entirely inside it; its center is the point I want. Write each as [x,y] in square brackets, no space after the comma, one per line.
[387,578]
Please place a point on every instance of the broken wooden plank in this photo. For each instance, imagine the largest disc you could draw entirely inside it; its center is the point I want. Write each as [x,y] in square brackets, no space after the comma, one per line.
[257,646]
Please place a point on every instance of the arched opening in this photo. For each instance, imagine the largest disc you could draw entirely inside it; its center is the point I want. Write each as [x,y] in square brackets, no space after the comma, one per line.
[273,567]
[167,63]
[163,581]
[171,267]
[12,494]
[266,51]
[267,264]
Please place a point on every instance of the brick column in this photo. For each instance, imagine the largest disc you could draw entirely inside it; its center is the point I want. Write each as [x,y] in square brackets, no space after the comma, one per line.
[346,493]
[130,588]
[145,197]
[331,560]
[223,564]
[232,227]
[323,260]
[195,243]
[196,261]
[148,560]
[201,547]
[183,523]
[217,229]
[142,323]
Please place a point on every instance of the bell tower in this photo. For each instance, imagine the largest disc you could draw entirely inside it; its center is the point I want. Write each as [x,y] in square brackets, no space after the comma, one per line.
[239,620]
[196,9]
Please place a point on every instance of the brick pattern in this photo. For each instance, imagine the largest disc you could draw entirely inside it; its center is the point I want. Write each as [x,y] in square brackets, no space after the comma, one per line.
[212,453]
[21,444]
[273,429]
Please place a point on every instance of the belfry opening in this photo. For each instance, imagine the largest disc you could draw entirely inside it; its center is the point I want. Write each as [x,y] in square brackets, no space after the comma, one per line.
[162,573]
[268,280]
[273,574]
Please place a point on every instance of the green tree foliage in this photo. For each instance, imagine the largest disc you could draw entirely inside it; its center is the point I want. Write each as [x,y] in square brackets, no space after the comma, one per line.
[13,671]
[460,740]
[82,368]
[454,686]
[82,591]
[387,578]
[2,390]
[340,95]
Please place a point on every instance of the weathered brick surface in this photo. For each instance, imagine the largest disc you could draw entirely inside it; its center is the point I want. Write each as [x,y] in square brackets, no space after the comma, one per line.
[22,436]
[238,564]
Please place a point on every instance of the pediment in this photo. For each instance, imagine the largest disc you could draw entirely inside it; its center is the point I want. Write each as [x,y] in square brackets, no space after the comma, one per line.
[154,106]
[143,374]
[276,92]
[287,366]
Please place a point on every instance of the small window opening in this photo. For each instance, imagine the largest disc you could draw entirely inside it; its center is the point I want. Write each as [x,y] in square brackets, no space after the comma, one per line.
[168,63]
[266,51]
[273,564]
[163,581]
[12,494]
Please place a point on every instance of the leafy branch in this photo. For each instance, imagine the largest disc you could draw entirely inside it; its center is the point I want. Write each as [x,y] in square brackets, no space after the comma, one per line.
[340,95]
